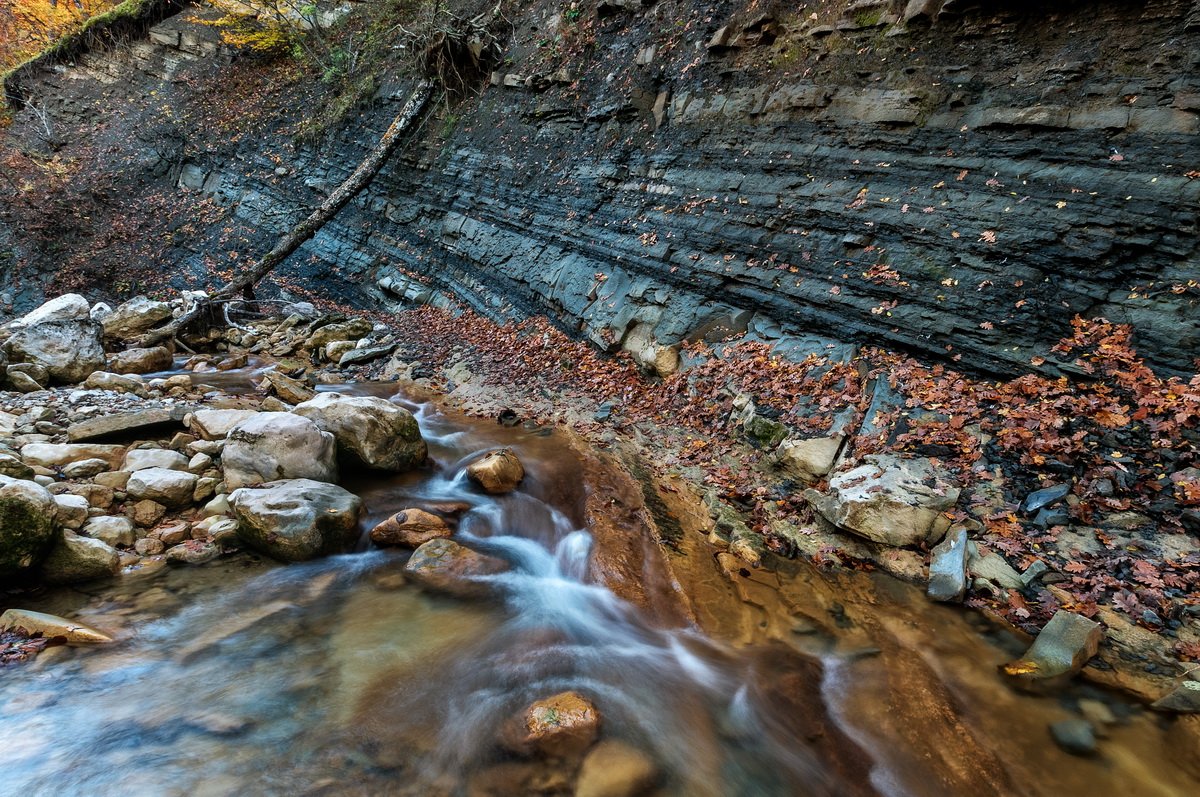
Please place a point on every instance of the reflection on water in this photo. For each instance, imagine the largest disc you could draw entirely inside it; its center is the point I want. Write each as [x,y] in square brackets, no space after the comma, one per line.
[335,677]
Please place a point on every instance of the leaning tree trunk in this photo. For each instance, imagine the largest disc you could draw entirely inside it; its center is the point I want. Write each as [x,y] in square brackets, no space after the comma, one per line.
[306,229]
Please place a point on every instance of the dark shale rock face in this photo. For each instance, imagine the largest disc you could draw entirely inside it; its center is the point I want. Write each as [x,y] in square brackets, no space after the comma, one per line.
[962,185]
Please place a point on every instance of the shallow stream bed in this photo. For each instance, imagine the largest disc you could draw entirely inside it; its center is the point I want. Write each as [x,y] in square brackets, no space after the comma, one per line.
[339,677]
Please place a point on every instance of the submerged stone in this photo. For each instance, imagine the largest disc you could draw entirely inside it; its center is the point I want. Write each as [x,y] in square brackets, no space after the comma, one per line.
[1075,736]
[52,627]
[1059,652]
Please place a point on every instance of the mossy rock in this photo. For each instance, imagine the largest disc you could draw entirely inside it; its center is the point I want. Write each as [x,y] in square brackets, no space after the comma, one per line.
[26,524]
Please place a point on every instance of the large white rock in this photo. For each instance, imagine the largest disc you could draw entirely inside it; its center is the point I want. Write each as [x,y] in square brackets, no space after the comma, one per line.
[27,512]
[371,432]
[61,337]
[278,445]
[889,500]
[141,458]
[296,519]
[111,530]
[135,317]
[215,424]
[171,488]
[808,459]
[70,511]
[68,307]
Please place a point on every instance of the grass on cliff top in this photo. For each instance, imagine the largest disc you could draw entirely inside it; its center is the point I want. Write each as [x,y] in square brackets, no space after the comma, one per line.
[74,41]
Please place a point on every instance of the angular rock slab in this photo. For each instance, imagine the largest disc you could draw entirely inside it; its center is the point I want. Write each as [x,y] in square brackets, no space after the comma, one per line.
[809,459]
[141,423]
[1059,652]
[371,432]
[889,500]
[275,446]
[297,519]
[948,568]
[52,627]
[27,513]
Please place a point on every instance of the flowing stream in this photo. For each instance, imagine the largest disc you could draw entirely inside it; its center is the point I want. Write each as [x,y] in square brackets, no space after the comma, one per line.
[337,677]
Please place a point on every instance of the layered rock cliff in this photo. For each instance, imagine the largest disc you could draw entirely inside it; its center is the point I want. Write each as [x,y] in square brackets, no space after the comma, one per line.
[953,179]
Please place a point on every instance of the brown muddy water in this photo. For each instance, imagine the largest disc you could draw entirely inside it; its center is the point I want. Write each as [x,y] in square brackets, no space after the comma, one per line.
[334,677]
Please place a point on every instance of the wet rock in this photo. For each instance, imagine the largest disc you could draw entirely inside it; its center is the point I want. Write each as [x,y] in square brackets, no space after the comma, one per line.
[146,513]
[563,725]
[55,455]
[192,552]
[215,424]
[889,500]
[1076,736]
[370,432]
[134,318]
[615,769]
[75,558]
[59,336]
[808,460]
[111,530]
[142,458]
[445,565]
[410,528]
[1184,699]
[52,627]
[296,519]
[1059,652]
[104,380]
[171,488]
[1044,498]
[27,512]
[497,471]
[70,511]
[948,568]
[274,446]
[141,361]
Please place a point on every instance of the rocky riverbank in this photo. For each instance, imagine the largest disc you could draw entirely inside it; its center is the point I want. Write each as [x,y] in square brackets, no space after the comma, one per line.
[124,473]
